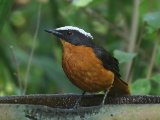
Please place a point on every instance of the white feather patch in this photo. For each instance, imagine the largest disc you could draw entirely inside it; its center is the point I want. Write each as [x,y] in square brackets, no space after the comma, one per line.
[77,29]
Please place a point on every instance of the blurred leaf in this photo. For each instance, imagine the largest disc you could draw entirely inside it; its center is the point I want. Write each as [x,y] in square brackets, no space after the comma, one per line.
[81,3]
[150,33]
[7,85]
[5,6]
[141,87]
[158,56]
[123,57]
[153,19]
[155,84]
[99,27]
[18,18]
[156,78]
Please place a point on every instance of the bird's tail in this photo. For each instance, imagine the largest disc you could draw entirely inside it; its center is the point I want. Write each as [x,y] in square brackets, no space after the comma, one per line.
[119,88]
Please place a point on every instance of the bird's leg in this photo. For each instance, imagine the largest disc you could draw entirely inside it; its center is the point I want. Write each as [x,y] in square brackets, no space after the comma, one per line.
[104,98]
[79,99]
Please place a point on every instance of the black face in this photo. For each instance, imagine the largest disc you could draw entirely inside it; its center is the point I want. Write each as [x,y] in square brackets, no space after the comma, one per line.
[72,36]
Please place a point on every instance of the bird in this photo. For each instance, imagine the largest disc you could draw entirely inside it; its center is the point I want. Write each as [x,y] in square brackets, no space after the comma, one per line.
[87,65]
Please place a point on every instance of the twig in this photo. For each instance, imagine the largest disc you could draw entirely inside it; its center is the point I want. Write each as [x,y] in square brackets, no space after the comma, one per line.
[137,48]
[32,50]
[140,37]
[133,36]
[151,64]
[17,69]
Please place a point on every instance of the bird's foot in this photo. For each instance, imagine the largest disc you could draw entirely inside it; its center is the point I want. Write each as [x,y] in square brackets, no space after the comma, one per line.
[104,98]
[77,105]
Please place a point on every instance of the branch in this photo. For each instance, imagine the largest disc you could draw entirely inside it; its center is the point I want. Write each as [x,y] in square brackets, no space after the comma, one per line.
[133,36]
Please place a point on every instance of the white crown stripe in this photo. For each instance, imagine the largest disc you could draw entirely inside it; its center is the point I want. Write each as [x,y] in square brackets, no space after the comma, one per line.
[77,29]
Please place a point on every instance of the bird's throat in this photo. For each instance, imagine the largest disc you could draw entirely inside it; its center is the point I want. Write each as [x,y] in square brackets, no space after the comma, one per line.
[68,47]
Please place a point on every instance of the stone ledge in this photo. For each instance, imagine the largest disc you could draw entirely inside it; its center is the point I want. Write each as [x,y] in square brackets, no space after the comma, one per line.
[59,107]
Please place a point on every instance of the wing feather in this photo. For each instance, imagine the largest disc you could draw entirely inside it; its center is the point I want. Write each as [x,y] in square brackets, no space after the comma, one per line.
[109,62]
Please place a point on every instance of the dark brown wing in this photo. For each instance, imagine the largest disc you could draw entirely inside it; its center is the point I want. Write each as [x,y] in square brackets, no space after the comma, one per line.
[109,62]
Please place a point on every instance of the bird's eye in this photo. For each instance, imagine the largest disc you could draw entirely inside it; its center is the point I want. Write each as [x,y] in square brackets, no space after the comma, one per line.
[69,33]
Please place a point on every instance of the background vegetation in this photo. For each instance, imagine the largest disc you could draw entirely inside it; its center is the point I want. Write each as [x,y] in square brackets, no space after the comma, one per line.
[30,59]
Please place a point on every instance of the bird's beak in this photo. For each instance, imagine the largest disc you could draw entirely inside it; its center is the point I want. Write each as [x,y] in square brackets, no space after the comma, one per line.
[54,32]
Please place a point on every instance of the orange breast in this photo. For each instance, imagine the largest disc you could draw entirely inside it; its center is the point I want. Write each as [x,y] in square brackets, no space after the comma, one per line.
[84,69]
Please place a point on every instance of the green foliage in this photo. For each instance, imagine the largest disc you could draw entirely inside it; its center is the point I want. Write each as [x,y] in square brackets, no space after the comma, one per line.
[5,6]
[123,57]
[81,3]
[156,78]
[158,57]
[141,87]
[108,21]
[18,19]
[153,19]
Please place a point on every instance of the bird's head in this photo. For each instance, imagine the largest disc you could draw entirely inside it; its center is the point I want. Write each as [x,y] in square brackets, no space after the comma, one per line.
[73,35]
